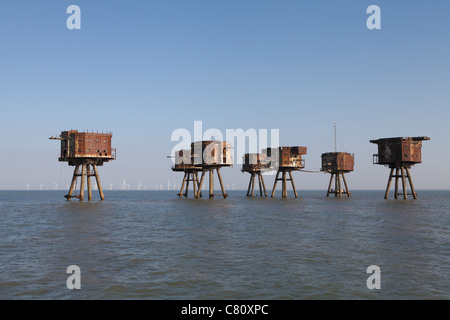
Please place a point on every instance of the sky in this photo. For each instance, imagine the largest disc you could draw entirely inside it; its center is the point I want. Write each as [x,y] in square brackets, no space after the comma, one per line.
[143,69]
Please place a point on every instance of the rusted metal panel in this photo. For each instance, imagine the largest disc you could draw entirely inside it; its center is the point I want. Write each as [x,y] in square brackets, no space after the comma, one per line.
[399,150]
[86,145]
[211,153]
[335,162]
[286,157]
[183,160]
[254,162]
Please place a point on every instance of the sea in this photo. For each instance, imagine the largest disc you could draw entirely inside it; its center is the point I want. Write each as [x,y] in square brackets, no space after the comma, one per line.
[155,245]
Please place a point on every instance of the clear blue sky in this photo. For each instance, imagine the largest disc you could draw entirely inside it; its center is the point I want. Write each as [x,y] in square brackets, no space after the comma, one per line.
[145,68]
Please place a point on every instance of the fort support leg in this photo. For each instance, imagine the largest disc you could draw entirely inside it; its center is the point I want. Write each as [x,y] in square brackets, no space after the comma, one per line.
[264,185]
[200,185]
[336,185]
[389,184]
[88,178]
[199,191]
[99,184]
[346,186]
[249,185]
[339,184]
[396,184]
[260,186]
[83,176]
[182,185]
[211,184]
[187,184]
[293,184]
[275,183]
[221,184]
[329,185]
[283,184]
[253,184]
[72,185]
[414,194]
[194,183]
[404,184]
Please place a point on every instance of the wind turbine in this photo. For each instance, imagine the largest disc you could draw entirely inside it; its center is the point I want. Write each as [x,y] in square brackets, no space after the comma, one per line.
[28,186]
[110,185]
[233,186]
[168,185]
[40,185]
[124,185]
[56,186]
[139,185]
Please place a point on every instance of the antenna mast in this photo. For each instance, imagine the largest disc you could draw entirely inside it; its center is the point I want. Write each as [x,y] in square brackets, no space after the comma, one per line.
[335,141]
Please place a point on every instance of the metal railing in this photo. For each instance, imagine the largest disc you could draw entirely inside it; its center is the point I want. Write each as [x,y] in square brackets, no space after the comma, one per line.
[375,159]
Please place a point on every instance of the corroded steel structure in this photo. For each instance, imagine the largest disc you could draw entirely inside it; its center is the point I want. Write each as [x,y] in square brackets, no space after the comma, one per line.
[338,163]
[400,154]
[255,164]
[204,157]
[285,160]
[85,150]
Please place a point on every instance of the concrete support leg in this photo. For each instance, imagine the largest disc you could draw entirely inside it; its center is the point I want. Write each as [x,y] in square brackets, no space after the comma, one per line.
[224,194]
[346,186]
[211,184]
[263,184]
[275,183]
[404,184]
[88,178]
[74,181]
[83,176]
[99,183]
[414,194]
[329,185]
[293,184]
[386,194]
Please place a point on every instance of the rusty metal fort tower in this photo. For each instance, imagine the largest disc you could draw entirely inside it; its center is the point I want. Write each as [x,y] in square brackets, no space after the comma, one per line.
[85,150]
[255,164]
[400,154]
[204,157]
[338,163]
[287,159]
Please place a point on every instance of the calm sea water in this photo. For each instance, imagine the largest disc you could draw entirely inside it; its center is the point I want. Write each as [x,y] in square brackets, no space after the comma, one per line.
[153,245]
